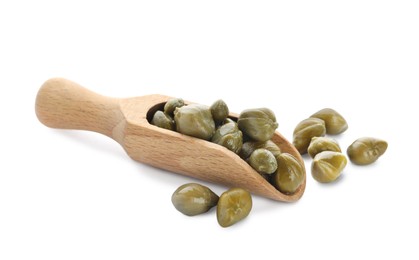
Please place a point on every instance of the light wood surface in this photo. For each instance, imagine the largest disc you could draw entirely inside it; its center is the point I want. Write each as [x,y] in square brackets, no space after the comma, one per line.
[61,103]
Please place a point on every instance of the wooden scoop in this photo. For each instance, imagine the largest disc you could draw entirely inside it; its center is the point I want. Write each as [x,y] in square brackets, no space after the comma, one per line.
[64,104]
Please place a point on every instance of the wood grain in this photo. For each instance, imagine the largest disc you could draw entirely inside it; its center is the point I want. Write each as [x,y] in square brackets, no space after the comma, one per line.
[61,103]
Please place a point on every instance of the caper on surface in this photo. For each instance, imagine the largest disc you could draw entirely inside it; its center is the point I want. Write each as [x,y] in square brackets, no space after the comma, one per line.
[233,206]
[263,161]
[289,175]
[219,111]
[335,123]
[163,120]
[305,131]
[327,166]
[229,136]
[366,150]
[172,104]
[320,144]
[195,120]
[258,123]
[192,199]
[249,146]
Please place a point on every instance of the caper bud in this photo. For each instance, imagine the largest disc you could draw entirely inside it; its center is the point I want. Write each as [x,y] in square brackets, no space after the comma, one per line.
[192,199]
[163,120]
[305,131]
[172,104]
[289,175]
[233,206]
[366,150]
[335,123]
[259,123]
[219,111]
[327,166]
[250,146]
[263,161]
[320,144]
[195,120]
[229,136]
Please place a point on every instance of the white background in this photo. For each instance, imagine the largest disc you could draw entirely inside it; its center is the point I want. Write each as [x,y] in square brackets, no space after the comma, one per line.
[77,195]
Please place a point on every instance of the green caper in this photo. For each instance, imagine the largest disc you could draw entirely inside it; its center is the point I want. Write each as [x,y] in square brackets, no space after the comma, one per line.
[249,146]
[366,150]
[233,206]
[259,123]
[172,104]
[163,120]
[290,174]
[320,144]
[219,111]
[305,131]
[263,161]
[192,199]
[327,166]
[195,120]
[335,123]
[229,136]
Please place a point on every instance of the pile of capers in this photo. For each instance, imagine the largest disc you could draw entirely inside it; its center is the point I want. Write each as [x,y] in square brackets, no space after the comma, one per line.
[232,206]
[328,159]
[249,137]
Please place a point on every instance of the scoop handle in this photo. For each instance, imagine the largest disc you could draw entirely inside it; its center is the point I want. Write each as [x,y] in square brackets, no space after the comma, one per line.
[61,103]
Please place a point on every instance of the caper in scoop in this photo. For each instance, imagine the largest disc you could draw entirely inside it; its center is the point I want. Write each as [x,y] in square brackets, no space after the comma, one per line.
[163,120]
[263,161]
[229,136]
[172,104]
[195,120]
[219,111]
[258,123]
[289,175]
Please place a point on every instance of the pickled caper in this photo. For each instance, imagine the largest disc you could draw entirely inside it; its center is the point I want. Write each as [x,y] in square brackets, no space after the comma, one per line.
[320,144]
[327,166]
[229,136]
[335,123]
[290,174]
[366,150]
[219,111]
[263,161]
[259,123]
[305,131]
[163,120]
[172,104]
[195,120]
[233,206]
[192,199]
